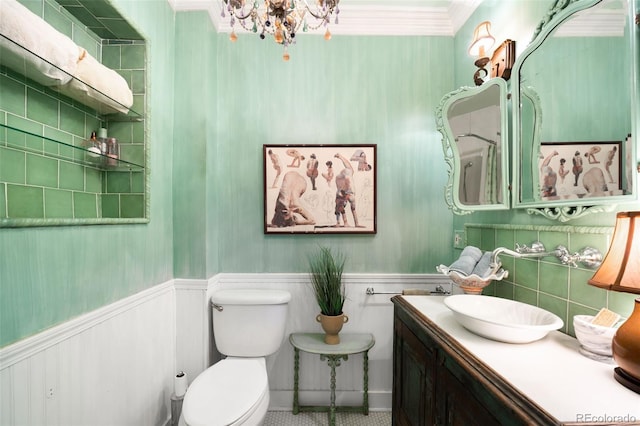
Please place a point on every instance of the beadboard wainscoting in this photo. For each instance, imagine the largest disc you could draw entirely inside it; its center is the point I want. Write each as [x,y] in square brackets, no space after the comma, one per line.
[112,366]
[367,313]
[116,365]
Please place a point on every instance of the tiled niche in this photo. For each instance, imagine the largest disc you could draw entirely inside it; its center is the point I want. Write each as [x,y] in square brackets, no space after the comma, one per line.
[546,282]
[46,177]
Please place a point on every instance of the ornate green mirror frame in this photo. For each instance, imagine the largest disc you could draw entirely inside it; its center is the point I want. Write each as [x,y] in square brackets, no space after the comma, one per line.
[575,98]
[474,125]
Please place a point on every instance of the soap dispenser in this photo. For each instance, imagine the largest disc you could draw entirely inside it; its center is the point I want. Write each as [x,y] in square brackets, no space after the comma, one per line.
[93,147]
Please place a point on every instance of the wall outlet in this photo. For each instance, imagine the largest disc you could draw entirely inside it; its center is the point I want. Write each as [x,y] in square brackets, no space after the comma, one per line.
[458,239]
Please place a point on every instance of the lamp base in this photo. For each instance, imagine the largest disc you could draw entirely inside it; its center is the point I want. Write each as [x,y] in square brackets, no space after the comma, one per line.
[626,379]
[481,73]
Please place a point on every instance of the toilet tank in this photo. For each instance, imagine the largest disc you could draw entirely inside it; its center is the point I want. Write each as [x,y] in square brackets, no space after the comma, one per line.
[249,322]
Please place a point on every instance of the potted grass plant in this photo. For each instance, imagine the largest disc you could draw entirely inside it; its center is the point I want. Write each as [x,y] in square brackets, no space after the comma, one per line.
[325,270]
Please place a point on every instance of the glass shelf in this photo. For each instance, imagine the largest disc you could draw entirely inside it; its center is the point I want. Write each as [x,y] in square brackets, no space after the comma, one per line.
[102,103]
[64,151]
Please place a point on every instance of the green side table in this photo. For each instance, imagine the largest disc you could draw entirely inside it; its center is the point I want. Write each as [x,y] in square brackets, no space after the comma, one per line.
[350,343]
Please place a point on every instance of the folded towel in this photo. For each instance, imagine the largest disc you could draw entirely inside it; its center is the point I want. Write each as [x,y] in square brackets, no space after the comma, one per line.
[99,87]
[483,268]
[467,261]
[32,47]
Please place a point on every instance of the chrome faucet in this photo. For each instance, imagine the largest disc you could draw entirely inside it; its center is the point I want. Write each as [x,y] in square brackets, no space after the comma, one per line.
[588,256]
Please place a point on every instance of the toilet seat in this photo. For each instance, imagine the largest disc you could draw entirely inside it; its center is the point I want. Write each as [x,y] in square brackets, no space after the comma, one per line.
[226,393]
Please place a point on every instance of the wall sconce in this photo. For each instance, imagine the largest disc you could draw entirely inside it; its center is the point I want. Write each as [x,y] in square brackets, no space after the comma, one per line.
[503,57]
[620,271]
[482,42]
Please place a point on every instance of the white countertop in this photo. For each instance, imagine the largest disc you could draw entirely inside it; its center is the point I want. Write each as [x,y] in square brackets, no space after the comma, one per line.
[550,371]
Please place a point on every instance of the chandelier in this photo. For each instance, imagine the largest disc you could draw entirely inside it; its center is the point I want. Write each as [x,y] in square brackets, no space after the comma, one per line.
[282,19]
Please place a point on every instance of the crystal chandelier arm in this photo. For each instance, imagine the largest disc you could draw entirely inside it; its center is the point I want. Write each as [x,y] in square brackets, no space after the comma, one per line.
[323,18]
[330,6]
[238,16]
[236,8]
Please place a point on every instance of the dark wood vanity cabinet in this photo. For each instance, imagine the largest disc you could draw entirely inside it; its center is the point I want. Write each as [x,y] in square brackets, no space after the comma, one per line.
[459,403]
[414,377]
[438,382]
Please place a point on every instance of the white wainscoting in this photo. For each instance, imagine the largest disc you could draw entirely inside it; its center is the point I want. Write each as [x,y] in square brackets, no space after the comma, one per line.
[367,313]
[113,366]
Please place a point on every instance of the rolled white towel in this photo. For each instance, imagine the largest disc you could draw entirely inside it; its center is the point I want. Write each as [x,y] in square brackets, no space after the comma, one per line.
[32,47]
[99,87]
[483,267]
[467,261]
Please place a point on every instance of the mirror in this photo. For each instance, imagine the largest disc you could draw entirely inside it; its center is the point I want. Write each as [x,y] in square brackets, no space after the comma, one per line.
[473,122]
[574,85]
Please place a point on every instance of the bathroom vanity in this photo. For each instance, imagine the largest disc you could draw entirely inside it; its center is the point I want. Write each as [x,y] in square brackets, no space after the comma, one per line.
[445,375]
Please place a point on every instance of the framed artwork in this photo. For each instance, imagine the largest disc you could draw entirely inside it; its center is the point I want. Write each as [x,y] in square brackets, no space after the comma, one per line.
[573,170]
[319,189]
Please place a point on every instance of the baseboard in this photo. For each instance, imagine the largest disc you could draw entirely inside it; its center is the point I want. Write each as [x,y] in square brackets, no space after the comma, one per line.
[282,400]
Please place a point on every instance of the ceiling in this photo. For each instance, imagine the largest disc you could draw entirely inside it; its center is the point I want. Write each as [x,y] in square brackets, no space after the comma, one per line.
[371,17]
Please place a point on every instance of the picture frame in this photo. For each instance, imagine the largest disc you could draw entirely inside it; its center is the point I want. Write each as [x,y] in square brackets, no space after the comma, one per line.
[320,189]
[575,170]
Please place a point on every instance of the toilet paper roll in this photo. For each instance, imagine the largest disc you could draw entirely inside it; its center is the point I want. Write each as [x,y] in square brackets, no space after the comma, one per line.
[180,385]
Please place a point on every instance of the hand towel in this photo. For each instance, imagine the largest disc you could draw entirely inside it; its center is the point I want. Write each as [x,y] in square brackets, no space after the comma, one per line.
[483,268]
[467,261]
[35,49]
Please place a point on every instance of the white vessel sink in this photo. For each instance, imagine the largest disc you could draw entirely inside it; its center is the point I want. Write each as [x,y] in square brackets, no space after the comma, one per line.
[502,319]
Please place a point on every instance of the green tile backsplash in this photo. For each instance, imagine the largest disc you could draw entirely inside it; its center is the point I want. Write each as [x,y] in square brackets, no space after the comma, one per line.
[85,205]
[547,283]
[58,203]
[41,178]
[24,202]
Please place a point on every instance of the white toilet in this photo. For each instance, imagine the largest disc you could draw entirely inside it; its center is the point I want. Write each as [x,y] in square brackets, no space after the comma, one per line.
[248,325]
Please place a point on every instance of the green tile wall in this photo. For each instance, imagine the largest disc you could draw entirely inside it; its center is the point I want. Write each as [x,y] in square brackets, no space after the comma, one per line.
[48,178]
[101,18]
[3,200]
[545,282]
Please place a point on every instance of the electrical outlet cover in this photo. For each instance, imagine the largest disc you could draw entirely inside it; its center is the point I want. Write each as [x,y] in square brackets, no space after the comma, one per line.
[458,239]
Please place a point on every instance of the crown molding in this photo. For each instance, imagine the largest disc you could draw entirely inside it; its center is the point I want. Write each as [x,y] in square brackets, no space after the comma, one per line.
[369,17]
[597,23]
[423,18]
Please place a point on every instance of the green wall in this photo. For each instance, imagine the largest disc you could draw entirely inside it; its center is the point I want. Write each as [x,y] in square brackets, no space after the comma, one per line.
[49,275]
[380,90]
[194,140]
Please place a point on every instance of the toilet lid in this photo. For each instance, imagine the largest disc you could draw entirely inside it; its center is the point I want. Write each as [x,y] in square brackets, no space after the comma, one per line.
[225,392]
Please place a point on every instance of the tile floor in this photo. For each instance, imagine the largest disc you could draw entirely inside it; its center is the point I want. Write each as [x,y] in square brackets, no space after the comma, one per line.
[287,418]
